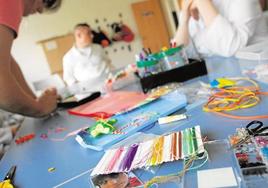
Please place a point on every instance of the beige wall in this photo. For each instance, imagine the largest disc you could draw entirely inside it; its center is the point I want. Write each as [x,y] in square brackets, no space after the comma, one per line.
[30,55]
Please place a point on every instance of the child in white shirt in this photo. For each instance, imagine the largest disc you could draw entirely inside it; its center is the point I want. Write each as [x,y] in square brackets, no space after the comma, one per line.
[85,61]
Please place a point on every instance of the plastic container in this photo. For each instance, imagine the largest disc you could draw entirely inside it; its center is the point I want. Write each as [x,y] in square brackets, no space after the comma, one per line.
[149,67]
[173,58]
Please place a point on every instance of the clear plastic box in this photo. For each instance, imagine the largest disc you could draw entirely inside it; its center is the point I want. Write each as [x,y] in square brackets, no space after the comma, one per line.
[220,156]
[173,58]
[252,163]
[148,67]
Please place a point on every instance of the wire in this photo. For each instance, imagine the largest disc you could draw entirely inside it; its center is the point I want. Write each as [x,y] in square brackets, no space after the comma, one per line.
[234,98]
[187,167]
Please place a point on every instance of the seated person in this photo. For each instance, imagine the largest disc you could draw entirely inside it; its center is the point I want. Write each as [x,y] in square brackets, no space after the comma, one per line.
[85,61]
[220,27]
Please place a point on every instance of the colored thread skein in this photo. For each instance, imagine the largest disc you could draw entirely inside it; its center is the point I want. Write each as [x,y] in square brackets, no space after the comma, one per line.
[115,159]
[157,151]
[126,164]
[188,163]
[235,97]
[175,146]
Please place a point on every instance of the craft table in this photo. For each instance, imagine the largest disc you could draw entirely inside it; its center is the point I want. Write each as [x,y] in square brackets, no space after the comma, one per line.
[71,161]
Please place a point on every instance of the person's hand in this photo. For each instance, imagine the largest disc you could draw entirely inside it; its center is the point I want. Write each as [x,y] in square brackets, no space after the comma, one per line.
[14,129]
[48,101]
[182,35]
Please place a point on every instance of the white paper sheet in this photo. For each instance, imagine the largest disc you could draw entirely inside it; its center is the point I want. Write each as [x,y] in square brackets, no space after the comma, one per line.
[219,177]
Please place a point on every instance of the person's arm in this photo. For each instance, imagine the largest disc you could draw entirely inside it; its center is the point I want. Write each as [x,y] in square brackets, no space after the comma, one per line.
[227,34]
[17,73]
[207,11]
[182,36]
[12,96]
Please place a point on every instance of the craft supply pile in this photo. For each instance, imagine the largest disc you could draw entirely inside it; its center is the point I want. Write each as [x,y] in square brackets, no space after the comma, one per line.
[250,146]
[182,146]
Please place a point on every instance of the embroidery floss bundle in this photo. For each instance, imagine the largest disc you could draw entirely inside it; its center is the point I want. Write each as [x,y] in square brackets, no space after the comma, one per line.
[126,164]
[176,146]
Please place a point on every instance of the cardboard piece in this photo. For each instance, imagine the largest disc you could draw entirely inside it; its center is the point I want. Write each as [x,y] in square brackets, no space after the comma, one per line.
[54,49]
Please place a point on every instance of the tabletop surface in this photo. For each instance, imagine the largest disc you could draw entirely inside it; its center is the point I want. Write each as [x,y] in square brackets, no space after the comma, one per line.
[73,163]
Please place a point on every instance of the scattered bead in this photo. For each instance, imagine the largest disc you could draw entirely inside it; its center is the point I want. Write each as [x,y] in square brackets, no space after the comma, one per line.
[25,138]
[52,169]
[44,136]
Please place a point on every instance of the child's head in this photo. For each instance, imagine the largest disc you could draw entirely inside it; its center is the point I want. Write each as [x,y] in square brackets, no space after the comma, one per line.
[83,35]
[114,180]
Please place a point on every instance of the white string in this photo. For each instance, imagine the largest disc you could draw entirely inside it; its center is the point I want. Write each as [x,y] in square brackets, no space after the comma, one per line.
[73,178]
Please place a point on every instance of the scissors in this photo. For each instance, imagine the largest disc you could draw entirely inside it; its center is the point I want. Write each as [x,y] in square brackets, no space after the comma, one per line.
[8,180]
[256,128]
[253,129]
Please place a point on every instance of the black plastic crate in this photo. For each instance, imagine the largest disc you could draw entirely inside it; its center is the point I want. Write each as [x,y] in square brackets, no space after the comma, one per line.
[192,70]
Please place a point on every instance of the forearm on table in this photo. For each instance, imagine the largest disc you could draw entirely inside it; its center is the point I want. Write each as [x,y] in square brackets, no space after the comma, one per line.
[14,99]
[207,11]
[18,75]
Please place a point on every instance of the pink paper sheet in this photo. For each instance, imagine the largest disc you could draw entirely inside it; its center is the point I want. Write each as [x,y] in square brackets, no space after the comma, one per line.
[110,104]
